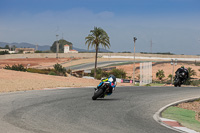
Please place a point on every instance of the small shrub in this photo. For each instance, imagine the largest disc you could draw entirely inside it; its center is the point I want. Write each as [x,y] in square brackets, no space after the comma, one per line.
[159,82]
[18,67]
[58,69]
[4,52]
[129,77]
[98,71]
[69,71]
[98,76]
[119,73]
[104,74]
[52,73]
[137,84]
[195,82]
[61,71]
[40,71]
[170,76]
[147,85]
[8,67]
[38,51]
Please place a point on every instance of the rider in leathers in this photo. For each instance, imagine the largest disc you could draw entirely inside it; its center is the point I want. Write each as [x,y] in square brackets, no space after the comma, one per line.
[181,70]
[112,84]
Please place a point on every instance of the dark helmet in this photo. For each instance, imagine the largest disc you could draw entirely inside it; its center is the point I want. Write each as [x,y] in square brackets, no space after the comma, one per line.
[111,75]
[182,67]
[114,78]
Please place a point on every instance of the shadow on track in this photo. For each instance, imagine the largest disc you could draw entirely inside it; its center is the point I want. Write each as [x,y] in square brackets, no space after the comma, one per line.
[113,99]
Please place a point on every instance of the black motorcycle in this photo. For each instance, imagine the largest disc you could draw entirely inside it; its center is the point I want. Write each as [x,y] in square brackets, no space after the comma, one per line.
[179,79]
[101,92]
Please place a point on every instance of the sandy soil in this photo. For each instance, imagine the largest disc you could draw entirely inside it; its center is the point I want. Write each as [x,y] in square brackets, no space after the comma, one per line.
[20,81]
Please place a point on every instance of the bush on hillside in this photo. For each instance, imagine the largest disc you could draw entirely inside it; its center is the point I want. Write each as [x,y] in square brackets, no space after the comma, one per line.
[40,71]
[118,73]
[61,71]
[52,73]
[18,67]
[58,69]
[195,82]
[4,52]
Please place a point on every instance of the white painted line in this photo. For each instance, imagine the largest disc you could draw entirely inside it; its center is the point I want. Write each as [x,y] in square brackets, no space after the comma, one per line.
[185,129]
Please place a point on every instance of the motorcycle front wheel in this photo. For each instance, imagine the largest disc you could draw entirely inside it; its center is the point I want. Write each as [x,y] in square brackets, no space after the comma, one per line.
[176,82]
[97,94]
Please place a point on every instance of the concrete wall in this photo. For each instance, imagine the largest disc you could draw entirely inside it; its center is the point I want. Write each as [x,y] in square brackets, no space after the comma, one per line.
[47,55]
[89,55]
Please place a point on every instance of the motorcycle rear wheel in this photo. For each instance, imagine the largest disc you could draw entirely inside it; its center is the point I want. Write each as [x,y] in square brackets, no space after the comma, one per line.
[176,82]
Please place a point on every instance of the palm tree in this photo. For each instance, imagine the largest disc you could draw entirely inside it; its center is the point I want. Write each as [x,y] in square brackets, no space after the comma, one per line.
[160,74]
[98,36]
[191,72]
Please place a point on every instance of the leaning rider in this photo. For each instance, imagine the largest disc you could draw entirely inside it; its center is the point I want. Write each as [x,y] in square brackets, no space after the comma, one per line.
[112,80]
[181,70]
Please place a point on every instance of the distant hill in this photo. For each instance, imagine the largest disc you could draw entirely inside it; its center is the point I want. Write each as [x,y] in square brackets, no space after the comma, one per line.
[25,45]
[46,47]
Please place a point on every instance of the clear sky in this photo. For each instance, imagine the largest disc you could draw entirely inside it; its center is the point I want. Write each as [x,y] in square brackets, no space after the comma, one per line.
[172,25]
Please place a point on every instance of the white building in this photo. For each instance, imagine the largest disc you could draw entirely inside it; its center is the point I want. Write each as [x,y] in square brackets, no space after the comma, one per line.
[67,50]
[4,50]
[11,52]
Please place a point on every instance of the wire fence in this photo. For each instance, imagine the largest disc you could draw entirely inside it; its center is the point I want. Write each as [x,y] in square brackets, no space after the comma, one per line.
[145,73]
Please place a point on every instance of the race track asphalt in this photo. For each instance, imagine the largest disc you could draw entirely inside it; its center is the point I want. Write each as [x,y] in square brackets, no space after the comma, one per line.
[127,110]
[89,66]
